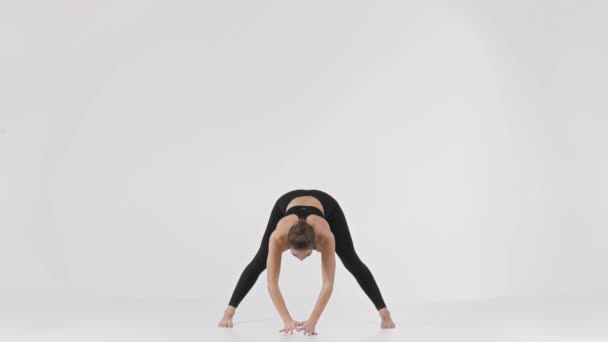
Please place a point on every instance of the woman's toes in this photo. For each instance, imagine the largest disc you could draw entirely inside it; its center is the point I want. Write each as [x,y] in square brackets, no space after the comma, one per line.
[387,324]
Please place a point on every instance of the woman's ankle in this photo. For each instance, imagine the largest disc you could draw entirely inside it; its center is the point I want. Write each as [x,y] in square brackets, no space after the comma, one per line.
[229,311]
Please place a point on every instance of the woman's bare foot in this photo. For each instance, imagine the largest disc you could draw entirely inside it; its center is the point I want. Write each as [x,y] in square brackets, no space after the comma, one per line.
[387,321]
[226,322]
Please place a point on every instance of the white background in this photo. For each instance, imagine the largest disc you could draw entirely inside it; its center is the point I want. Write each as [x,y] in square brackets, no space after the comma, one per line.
[143,144]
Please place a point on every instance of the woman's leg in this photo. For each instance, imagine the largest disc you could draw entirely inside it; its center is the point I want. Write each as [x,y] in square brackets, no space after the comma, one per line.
[345,250]
[258,264]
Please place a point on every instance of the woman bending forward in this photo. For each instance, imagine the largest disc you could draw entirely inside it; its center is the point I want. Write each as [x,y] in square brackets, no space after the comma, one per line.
[303,220]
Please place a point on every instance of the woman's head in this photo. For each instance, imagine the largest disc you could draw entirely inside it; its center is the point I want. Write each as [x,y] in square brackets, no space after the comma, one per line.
[301,239]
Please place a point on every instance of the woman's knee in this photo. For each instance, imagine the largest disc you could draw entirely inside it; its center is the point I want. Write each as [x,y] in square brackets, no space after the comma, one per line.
[258,263]
[351,261]
[256,266]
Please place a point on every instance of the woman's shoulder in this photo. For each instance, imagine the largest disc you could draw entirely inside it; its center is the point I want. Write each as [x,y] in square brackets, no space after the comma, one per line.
[325,239]
[278,238]
[326,245]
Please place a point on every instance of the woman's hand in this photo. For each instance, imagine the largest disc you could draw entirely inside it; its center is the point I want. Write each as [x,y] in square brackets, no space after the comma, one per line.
[308,327]
[289,326]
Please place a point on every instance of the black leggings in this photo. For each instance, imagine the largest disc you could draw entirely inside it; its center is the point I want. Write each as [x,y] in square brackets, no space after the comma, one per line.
[344,249]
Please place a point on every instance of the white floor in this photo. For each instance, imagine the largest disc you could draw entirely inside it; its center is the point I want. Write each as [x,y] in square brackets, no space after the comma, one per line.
[36,316]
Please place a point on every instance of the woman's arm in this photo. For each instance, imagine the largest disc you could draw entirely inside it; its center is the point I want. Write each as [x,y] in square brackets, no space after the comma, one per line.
[273,268]
[328,266]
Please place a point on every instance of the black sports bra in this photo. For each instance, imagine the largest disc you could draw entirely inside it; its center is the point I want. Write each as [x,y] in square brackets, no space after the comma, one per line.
[303,211]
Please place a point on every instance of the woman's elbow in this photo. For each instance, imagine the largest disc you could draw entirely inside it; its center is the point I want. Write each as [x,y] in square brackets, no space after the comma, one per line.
[328,285]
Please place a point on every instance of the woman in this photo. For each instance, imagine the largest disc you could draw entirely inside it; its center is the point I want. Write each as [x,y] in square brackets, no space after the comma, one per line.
[303,220]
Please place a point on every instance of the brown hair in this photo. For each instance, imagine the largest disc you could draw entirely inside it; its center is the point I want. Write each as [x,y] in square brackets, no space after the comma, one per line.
[301,236]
